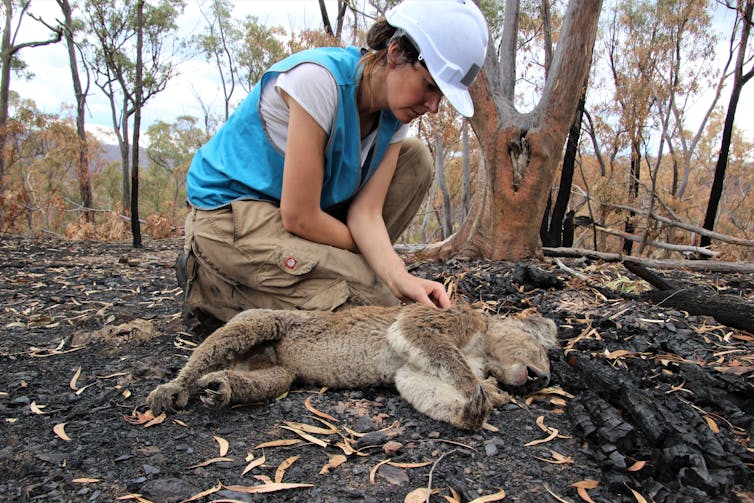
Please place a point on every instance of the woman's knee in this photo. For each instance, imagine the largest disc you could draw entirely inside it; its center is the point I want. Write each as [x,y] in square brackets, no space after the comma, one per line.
[416,159]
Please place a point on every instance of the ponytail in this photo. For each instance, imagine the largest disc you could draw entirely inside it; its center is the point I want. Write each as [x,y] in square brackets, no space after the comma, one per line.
[379,37]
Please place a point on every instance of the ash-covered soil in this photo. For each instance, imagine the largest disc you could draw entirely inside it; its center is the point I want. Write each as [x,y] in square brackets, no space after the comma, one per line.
[644,402]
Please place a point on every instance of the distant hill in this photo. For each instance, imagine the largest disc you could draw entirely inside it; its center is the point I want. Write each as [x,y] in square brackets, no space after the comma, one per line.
[109,143]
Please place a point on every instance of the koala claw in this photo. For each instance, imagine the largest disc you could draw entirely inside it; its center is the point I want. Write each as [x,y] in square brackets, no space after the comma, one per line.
[170,396]
[215,390]
[495,395]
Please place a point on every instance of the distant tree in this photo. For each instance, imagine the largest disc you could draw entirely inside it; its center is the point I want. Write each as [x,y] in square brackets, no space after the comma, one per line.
[171,148]
[9,62]
[465,169]
[688,70]
[131,67]
[441,132]
[41,155]
[221,42]
[80,91]
[262,46]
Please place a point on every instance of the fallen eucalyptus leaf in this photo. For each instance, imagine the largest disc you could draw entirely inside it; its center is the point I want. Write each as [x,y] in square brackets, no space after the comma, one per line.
[59,430]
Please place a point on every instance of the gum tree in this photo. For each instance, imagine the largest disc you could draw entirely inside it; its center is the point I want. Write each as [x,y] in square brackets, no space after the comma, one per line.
[521,151]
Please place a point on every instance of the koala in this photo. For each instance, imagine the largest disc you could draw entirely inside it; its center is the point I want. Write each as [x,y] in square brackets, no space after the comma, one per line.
[445,363]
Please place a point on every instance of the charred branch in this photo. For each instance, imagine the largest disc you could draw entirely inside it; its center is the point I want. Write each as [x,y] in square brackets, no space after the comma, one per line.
[691,265]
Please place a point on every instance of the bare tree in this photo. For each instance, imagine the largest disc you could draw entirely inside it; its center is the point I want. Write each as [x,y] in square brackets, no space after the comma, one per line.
[127,77]
[220,42]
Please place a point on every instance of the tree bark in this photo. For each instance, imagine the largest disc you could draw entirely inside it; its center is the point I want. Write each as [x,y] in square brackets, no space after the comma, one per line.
[554,219]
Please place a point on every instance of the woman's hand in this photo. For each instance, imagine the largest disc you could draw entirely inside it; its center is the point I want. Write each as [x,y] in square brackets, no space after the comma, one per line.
[411,288]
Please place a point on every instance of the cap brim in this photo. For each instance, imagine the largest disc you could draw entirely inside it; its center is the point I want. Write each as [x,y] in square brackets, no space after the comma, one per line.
[458,97]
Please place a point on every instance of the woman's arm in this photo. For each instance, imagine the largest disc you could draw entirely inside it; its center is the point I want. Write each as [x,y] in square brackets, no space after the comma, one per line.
[303,175]
[368,230]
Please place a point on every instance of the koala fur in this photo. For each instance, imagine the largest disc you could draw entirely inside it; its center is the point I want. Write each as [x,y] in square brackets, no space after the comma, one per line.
[445,363]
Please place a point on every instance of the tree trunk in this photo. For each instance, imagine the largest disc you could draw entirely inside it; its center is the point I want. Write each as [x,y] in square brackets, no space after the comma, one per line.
[82,167]
[633,191]
[521,152]
[739,81]
[138,98]
[125,160]
[553,231]
[447,210]
[466,171]
[6,56]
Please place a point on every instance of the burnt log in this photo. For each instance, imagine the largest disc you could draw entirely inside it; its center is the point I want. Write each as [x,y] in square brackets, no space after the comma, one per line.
[733,311]
[624,421]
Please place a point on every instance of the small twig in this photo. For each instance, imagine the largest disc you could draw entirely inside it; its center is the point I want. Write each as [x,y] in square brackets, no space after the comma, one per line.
[431,471]
[671,295]
[570,271]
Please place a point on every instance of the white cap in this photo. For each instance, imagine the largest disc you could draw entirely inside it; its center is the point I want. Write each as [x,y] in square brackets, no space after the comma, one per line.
[451,37]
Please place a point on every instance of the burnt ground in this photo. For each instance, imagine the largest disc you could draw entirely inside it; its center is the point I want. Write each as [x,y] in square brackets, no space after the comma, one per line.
[646,403]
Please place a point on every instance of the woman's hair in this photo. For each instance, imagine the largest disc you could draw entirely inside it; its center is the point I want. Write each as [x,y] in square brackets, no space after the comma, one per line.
[379,37]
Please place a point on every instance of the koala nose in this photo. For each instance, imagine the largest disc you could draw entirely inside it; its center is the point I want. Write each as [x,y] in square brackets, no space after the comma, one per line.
[537,373]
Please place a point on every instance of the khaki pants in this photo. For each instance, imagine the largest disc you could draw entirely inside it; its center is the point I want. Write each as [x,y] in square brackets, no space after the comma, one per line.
[240,257]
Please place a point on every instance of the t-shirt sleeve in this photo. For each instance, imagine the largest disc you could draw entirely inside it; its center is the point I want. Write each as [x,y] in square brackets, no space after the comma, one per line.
[314,89]
[401,134]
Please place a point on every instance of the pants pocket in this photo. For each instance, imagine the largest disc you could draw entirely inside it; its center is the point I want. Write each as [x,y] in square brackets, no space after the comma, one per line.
[286,267]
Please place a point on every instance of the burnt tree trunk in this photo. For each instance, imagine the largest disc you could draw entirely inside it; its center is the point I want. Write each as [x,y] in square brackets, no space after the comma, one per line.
[739,79]
[633,191]
[553,230]
[521,151]
[138,104]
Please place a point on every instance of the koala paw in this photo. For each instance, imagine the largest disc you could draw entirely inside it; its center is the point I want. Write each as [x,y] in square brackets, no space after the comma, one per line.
[495,395]
[214,390]
[477,409]
[170,396]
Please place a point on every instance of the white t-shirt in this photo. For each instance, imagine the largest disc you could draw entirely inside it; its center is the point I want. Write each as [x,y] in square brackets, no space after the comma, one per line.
[315,90]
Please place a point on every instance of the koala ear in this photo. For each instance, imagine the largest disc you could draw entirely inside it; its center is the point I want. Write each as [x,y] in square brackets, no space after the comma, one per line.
[544,329]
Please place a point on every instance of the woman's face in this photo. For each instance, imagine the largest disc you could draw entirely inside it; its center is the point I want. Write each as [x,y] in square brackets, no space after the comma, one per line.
[411,91]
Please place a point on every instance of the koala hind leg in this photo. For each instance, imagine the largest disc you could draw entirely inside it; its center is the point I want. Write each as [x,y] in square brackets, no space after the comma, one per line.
[229,343]
[218,389]
[442,400]
[239,337]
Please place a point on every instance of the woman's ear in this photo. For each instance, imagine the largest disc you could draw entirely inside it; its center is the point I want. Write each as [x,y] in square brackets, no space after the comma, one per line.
[395,54]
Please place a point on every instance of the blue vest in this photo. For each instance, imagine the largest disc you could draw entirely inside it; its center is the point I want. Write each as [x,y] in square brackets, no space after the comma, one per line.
[240,162]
